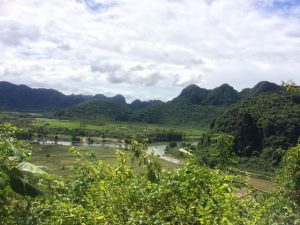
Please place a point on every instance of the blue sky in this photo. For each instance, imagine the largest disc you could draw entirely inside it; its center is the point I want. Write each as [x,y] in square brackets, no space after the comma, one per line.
[97,6]
[286,8]
[285,4]
[149,49]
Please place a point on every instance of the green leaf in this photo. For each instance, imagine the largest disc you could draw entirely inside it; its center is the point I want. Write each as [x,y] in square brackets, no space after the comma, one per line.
[14,158]
[28,167]
[5,169]
[297,180]
[19,186]
[16,172]
[33,191]
[2,183]
[16,152]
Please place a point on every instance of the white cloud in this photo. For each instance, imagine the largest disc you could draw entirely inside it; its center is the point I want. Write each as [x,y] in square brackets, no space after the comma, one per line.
[150,48]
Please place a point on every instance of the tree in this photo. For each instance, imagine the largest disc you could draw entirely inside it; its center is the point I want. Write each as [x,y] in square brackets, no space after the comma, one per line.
[15,174]
[289,174]
[216,150]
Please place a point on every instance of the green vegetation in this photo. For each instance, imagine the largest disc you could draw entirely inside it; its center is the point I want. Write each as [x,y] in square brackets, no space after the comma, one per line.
[23,98]
[60,161]
[97,110]
[265,121]
[98,193]
[216,151]
[223,95]
[179,113]
[119,130]
[176,112]
[193,106]
[17,176]
[53,184]
[173,150]
[289,174]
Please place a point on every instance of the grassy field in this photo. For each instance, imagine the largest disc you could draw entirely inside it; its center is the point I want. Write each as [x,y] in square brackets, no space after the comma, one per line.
[261,184]
[118,128]
[59,160]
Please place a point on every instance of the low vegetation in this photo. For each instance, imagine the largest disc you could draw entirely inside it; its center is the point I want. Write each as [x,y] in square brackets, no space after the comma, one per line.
[151,132]
[99,193]
[60,161]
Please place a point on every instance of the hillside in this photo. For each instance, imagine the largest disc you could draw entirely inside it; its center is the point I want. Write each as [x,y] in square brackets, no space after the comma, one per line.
[267,120]
[260,88]
[23,98]
[175,112]
[138,104]
[223,95]
[193,106]
[98,109]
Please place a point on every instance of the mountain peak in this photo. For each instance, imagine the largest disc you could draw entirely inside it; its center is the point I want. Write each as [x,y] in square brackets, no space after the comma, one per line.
[222,95]
[261,87]
[138,104]
[191,87]
[119,98]
[193,94]
[225,86]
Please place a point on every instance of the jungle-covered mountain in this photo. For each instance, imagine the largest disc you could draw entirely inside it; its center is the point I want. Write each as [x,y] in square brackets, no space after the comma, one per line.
[270,120]
[193,106]
[23,98]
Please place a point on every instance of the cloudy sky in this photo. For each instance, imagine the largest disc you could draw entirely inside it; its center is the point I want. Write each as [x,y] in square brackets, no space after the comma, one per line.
[149,49]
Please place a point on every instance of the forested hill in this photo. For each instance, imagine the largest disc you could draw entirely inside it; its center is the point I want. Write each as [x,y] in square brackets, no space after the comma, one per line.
[194,105]
[23,98]
[223,95]
[267,120]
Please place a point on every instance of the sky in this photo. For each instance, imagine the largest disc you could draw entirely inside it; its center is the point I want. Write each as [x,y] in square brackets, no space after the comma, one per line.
[148,49]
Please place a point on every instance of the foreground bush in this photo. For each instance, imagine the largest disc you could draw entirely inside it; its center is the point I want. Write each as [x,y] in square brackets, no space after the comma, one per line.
[101,194]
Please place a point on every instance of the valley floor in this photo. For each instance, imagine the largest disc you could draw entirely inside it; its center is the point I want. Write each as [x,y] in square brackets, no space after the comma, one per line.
[59,161]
